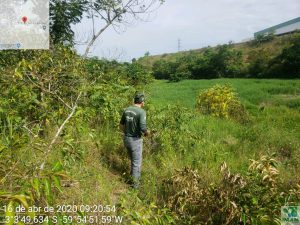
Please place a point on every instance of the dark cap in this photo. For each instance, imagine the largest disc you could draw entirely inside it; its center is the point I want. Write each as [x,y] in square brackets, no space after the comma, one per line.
[139,98]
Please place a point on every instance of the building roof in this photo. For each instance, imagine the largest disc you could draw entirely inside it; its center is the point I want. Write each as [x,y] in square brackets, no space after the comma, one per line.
[273,28]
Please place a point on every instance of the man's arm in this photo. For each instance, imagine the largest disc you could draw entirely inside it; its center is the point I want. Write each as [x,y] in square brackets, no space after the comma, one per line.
[143,124]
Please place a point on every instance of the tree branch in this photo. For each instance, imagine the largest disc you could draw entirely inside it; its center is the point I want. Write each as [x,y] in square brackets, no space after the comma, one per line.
[48,91]
[118,11]
[60,130]
[92,41]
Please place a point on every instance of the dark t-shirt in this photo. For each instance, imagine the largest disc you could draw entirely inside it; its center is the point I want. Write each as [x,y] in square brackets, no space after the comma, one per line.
[134,120]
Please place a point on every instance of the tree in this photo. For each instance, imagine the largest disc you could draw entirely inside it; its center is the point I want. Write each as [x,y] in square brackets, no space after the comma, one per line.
[259,60]
[262,38]
[182,72]
[161,69]
[147,54]
[287,63]
[64,13]
[104,13]
[138,74]
[116,13]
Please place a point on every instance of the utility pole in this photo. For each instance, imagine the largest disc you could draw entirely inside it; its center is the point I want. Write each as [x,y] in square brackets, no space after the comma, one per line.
[179,45]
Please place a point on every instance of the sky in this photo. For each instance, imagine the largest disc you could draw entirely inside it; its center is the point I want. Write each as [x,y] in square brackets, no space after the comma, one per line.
[196,23]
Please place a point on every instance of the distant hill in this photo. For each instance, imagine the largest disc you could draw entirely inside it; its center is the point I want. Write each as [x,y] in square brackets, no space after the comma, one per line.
[267,56]
[275,46]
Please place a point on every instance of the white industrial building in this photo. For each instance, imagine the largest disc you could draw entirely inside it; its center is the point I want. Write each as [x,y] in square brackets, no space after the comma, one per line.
[283,28]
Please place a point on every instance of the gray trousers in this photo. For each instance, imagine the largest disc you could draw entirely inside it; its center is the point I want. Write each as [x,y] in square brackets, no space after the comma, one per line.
[134,146]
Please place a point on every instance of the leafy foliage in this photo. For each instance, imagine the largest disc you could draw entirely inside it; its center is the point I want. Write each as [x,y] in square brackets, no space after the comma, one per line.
[144,213]
[253,198]
[36,88]
[287,63]
[163,69]
[40,190]
[182,72]
[258,60]
[39,91]
[262,38]
[221,101]
[265,57]
[170,126]
[138,74]
[223,61]
[64,14]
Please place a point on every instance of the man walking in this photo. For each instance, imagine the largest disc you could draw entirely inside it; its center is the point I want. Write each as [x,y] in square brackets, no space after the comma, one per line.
[133,123]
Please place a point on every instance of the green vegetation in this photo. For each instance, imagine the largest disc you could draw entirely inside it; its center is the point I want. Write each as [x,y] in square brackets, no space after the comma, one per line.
[86,162]
[273,106]
[201,143]
[57,111]
[264,57]
[252,92]
[221,101]
[60,143]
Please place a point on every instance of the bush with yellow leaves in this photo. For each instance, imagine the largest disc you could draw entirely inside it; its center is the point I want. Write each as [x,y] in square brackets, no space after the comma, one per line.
[221,101]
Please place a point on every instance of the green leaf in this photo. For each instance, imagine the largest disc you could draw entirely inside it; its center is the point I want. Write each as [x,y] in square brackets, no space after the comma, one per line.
[36,185]
[57,167]
[29,66]
[22,199]
[3,193]
[48,191]
[62,175]
[18,73]
[254,201]
[57,184]
[2,147]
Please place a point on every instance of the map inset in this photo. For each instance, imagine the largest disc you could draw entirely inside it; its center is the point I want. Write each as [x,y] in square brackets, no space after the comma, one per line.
[24,24]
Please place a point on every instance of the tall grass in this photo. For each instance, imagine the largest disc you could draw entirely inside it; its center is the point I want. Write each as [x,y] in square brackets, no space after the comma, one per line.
[251,91]
[274,128]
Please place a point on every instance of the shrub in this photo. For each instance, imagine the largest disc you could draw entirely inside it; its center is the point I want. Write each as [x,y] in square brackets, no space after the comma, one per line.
[36,89]
[170,128]
[105,101]
[287,63]
[221,101]
[259,60]
[182,72]
[138,74]
[135,211]
[255,198]
[226,61]
[262,38]
[162,69]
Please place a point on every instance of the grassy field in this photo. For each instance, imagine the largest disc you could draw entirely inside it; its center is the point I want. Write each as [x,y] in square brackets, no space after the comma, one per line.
[252,92]
[274,108]
[186,138]
[98,166]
